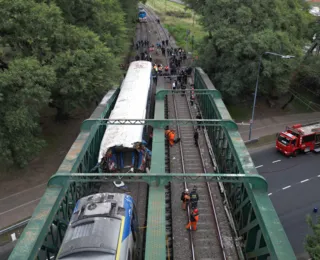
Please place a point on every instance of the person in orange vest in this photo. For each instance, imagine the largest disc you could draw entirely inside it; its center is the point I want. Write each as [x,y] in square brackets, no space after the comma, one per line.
[194,218]
[171,134]
[185,197]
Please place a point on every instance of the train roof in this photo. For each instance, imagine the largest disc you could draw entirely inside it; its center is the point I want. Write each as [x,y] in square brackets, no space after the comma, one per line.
[131,104]
[94,228]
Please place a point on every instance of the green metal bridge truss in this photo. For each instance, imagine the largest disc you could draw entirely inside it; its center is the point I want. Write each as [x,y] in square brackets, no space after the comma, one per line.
[254,215]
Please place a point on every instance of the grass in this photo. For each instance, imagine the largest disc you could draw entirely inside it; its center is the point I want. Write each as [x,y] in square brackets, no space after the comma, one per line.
[240,111]
[178,19]
[268,139]
[314,4]
[305,101]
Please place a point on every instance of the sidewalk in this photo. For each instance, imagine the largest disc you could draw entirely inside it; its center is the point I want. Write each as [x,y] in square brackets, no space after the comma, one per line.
[276,124]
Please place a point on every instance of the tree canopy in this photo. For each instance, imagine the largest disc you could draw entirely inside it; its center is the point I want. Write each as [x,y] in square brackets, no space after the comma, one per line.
[308,76]
[58,53]
[239,32]
[24,90]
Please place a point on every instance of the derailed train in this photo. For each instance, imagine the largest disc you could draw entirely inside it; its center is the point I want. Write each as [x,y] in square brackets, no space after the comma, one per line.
[123,148]
[102,226]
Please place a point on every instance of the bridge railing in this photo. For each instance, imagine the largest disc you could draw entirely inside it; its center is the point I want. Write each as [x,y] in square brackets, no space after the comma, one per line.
[255,217]
[253,212]
[42,236]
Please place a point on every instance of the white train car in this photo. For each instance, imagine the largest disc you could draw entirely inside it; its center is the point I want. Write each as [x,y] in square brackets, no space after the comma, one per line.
[121,149]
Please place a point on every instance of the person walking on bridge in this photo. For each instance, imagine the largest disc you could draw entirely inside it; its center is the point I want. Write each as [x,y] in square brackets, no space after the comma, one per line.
[198,117]
[185,197]
[194,197]
[196,137]
[194,218]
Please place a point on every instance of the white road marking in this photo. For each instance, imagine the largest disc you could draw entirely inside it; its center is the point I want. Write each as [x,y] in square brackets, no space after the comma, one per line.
[293,184]
[22,205]
[276,161]
[15,194]
[259,166]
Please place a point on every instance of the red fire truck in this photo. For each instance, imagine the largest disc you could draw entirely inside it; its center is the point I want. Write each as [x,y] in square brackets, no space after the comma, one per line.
[299,138]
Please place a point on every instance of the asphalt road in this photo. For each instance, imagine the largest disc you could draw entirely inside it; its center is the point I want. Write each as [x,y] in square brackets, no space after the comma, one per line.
[21,205]
[293,188]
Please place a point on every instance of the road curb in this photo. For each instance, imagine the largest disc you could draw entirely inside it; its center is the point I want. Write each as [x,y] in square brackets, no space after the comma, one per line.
[252,141]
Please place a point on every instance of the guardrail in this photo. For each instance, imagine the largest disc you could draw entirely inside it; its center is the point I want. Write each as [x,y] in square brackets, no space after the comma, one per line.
[14,227]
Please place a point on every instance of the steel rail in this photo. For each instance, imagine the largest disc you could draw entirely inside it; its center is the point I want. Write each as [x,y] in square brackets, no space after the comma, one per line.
[14,227]
[203,166]
[210,193]
[184,171]
[180,143]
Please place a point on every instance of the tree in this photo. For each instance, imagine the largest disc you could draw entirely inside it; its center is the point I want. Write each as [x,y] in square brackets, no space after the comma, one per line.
[74,49]
[130,7]
[312,243]
[104,17]
[24,90]
[29,28]
[83,76]
[308,76]
[240,32]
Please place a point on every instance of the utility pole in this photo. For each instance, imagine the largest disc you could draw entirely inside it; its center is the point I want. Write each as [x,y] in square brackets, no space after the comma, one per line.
[257,83]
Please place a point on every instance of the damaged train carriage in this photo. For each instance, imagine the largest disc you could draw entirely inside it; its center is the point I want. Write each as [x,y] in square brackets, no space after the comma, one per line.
[124,147]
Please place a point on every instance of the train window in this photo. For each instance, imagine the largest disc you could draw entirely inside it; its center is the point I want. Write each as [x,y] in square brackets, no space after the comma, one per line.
[121,211]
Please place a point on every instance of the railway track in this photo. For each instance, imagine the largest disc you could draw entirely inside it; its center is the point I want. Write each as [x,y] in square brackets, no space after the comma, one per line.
[208,242]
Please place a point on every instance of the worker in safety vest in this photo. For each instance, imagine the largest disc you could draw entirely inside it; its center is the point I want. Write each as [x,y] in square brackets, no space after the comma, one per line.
[171,134]
[185,197]
[194,218]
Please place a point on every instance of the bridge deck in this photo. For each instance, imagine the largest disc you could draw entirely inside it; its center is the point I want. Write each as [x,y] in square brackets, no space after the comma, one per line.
[156,231]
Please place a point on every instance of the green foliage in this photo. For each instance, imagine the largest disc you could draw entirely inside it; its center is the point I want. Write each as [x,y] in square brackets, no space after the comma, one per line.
[24,89]
[83,76]
[179,14]
[312,243]
[308,76]
[104,17]
[130,8]
[62,53]
[240,32]
[29,28]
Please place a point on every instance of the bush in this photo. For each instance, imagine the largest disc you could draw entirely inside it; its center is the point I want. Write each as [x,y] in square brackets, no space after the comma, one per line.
[179,14]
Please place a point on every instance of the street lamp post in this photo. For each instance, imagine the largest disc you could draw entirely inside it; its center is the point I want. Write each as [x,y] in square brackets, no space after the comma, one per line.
[257,83]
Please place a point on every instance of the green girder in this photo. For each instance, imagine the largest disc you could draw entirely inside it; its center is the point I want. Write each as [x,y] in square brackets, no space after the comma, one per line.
[162,93]
[227,123]
[257,181]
